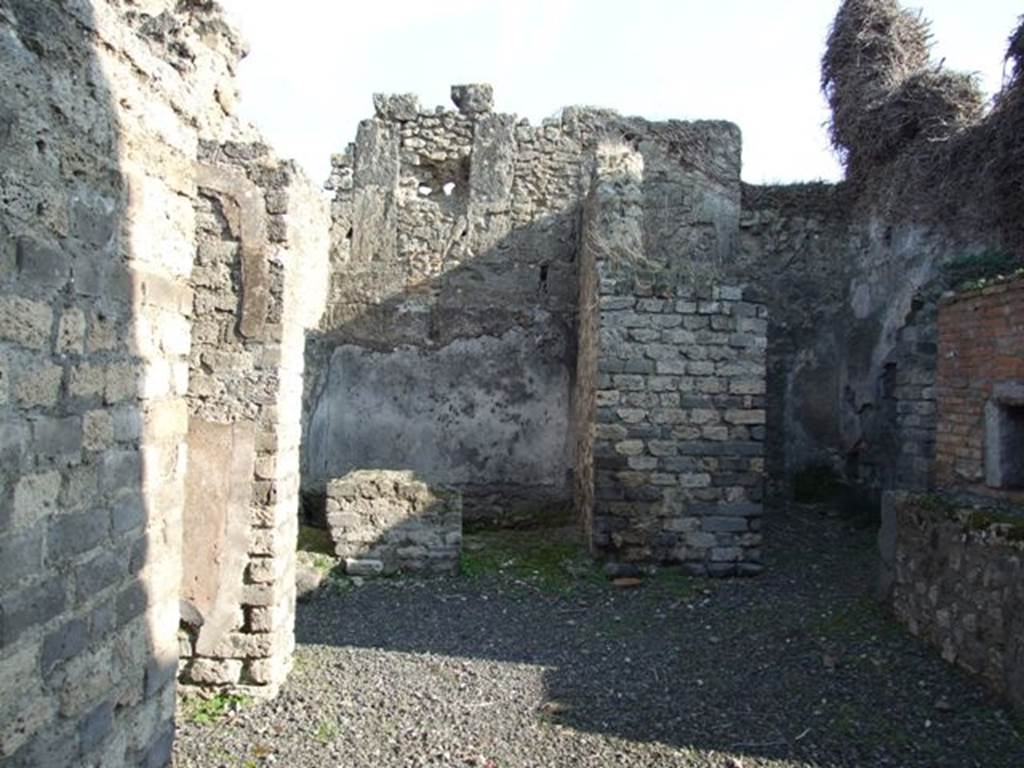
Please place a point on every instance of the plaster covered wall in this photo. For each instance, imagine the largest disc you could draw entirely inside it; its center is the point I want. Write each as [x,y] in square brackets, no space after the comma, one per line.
[449,342]
[851,354]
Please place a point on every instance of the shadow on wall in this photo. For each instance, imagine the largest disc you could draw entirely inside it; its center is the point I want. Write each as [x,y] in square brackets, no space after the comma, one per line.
[464,377]
[91,421]
[449,347]
[856,269]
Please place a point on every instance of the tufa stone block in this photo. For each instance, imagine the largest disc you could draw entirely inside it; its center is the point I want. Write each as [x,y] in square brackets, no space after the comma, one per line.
[473,99]
[386,521]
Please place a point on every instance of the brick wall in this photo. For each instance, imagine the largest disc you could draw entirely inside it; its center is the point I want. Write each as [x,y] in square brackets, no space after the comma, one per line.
[981,349]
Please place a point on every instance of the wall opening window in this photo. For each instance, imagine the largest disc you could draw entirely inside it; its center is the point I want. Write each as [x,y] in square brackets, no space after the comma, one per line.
[1004,438]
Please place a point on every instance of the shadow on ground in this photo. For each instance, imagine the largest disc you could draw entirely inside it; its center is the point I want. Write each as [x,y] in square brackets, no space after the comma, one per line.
[532,658]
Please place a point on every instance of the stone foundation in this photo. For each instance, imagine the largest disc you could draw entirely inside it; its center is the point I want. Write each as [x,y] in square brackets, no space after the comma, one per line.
[954,572]
[385,522]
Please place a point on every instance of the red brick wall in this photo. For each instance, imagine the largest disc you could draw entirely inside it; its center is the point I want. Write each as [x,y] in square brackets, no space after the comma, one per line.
[981,341]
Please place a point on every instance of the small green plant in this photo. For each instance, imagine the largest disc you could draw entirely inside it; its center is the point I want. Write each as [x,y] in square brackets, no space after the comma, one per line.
[816,483]
[934,503]
[986,518]
[323,563]
[862,618]
[1017,723]
[327,731]
[677,584]
[201,710]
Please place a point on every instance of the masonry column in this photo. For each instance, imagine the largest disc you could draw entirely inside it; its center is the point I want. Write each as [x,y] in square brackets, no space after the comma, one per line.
[260,280]
[670,400]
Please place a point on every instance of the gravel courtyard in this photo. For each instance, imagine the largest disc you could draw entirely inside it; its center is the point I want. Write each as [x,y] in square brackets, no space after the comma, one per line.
[532,658]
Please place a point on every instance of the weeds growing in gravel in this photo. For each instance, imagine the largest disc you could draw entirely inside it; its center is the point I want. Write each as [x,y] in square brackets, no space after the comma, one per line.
[865,617]
[327,731]
[677,584]
[207,711]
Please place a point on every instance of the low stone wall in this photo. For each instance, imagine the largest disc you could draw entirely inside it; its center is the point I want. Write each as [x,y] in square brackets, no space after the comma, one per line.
[386,521]
[954,573]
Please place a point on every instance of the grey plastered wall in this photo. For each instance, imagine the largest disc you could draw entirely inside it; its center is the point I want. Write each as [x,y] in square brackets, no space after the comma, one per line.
[449,342]
[852,297]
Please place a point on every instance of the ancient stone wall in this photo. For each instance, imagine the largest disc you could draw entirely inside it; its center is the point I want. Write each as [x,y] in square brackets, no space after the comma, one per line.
[851,355]
[853,272]
[99,117]
[384,522]
[676,441]
[449,344]
[980,390]
[956,581]
[259,281]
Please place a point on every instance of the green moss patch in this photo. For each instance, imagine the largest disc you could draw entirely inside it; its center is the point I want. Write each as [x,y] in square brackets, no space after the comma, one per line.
[316,540]
[984,519]
[202,710]
[973,271]
[551,559]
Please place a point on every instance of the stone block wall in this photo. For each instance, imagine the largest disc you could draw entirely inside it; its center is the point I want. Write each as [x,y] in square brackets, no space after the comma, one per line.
[386,521]
[677,434]
[99,121]
[259,282]
[957,581]
[980,389]
[449,343]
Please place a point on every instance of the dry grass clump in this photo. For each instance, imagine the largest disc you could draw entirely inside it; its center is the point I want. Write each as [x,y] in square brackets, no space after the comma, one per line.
[883,91]
[1006,128]
[1015,52]
[915,138]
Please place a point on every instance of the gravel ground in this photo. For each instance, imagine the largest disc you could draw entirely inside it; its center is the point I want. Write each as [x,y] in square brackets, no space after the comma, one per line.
[496,669]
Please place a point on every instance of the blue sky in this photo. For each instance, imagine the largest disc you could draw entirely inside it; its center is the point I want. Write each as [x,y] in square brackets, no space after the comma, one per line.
[315,64]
